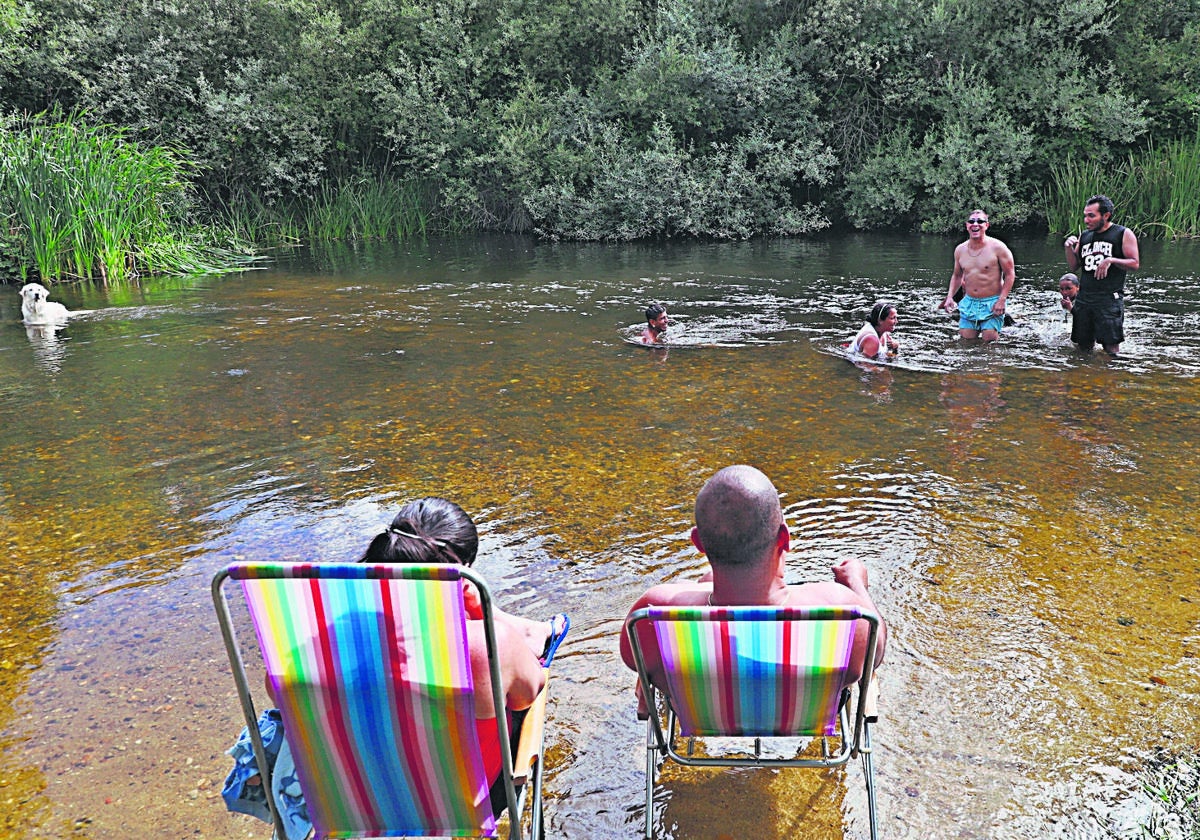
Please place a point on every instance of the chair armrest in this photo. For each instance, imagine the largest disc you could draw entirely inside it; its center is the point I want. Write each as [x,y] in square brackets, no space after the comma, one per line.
[871,710]
[530,747]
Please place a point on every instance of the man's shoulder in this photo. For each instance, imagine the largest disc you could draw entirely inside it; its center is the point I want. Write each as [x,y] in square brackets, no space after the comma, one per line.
[826,593]
[675,595]
[997,245]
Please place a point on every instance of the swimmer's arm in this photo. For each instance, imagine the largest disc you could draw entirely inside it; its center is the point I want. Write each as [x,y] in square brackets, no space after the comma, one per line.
[870,347]
[1008,272]
[956,281]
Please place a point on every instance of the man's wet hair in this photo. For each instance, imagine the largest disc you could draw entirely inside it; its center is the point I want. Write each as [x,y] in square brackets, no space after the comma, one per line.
[654,310]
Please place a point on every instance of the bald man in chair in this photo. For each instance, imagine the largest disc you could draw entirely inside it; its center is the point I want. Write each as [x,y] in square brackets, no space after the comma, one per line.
[741,529]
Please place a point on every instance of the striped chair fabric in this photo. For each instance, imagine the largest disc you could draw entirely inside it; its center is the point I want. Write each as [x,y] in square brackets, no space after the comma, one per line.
[754,671]
[382,732]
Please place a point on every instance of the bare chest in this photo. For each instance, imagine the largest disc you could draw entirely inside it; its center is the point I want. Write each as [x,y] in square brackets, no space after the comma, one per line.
[981,262]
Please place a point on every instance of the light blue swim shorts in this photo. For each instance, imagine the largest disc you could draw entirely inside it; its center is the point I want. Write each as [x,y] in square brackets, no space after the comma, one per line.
[977,314]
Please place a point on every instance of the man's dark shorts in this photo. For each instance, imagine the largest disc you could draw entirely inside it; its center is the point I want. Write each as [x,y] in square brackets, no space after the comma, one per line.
[1098,321]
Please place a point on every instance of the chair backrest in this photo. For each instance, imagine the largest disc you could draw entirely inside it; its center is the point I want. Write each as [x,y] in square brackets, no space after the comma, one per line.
[754,671]
[370,667]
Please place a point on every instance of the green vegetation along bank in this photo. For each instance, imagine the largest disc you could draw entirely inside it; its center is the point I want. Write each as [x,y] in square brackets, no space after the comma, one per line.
[625,119]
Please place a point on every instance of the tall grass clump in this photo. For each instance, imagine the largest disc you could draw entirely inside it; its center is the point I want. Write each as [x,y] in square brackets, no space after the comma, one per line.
[251,219]
[86,202]
[1072,183]
[1156,191]
[365,207]
[368,207]
[1182,215]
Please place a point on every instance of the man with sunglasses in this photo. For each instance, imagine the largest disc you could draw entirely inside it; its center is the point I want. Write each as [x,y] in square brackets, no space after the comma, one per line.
[1103,253]
[984,270]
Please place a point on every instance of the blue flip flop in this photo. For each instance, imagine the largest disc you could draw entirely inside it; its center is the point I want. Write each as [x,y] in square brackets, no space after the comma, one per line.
[559,625]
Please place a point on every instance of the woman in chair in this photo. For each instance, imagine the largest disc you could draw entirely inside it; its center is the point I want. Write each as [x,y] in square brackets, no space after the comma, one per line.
[435,530]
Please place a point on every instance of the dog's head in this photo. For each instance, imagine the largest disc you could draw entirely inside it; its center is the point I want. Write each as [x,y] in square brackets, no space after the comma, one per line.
[34,293]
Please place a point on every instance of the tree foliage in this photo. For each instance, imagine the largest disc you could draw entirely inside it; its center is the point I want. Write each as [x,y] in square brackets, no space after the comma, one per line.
[625,118]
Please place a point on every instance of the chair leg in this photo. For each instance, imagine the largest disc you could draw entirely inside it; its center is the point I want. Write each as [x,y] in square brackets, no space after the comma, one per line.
[651,773]
[535,828]
[869,774]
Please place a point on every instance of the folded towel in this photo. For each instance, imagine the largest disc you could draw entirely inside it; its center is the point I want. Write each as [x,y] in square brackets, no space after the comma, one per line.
[245,798]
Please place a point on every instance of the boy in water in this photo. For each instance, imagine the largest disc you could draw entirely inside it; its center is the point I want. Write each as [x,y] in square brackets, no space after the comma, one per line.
[656,324]
[1068,287]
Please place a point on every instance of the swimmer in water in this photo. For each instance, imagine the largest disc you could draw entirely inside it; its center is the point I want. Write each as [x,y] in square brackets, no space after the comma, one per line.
[656,324]
[875,340]
[1068,287]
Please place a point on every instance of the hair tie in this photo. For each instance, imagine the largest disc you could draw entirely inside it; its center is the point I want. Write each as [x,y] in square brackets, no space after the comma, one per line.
[401,532]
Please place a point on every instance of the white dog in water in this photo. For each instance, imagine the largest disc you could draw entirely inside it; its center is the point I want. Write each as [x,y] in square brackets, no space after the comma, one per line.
[38,310]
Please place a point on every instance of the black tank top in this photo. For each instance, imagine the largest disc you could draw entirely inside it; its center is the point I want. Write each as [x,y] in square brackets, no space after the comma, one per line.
[1093,247]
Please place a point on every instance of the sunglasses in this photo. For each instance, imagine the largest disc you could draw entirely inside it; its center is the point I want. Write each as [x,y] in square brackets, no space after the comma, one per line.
[977,221]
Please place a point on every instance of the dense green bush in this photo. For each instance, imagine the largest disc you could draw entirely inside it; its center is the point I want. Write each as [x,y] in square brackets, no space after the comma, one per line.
[625,118]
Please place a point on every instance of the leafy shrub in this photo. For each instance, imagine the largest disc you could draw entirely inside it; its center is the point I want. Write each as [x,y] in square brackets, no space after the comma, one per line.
[666,189]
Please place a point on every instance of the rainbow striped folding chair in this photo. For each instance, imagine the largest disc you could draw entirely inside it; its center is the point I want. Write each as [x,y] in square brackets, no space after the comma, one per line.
[754,673]
[370,668]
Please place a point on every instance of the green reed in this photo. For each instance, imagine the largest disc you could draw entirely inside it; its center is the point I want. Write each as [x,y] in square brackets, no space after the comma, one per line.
[1183,212]
[1156,191]
[364,207]
[1173,788]
[85,201]
[253,220]
[368,207]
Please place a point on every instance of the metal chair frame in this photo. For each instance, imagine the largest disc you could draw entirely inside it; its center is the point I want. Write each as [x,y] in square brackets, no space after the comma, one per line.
[853,737]
[524,767]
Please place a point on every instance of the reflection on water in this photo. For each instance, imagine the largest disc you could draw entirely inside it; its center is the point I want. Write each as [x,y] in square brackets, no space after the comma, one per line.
[1022,509]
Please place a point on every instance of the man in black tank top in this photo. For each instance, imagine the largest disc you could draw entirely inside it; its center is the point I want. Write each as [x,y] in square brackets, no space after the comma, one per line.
[1102,255]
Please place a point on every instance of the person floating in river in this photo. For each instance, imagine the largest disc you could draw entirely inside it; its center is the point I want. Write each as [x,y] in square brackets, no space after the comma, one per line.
[875,340]
[656,324]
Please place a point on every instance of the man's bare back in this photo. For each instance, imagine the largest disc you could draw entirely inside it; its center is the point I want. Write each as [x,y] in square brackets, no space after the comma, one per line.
[848,588]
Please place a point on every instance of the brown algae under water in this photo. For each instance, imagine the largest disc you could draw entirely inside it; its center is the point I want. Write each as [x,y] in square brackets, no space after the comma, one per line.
[1024,512]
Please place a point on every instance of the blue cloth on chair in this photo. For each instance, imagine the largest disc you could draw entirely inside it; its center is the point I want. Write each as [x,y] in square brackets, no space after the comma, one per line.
[244,798]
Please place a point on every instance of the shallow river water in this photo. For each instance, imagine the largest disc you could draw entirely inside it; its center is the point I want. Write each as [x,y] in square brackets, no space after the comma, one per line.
[1026,513]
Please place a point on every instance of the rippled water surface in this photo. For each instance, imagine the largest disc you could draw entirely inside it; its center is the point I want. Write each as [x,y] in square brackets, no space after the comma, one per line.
[1025,512]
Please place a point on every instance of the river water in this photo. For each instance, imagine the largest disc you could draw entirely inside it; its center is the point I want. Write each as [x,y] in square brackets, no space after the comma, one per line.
[1026,513]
